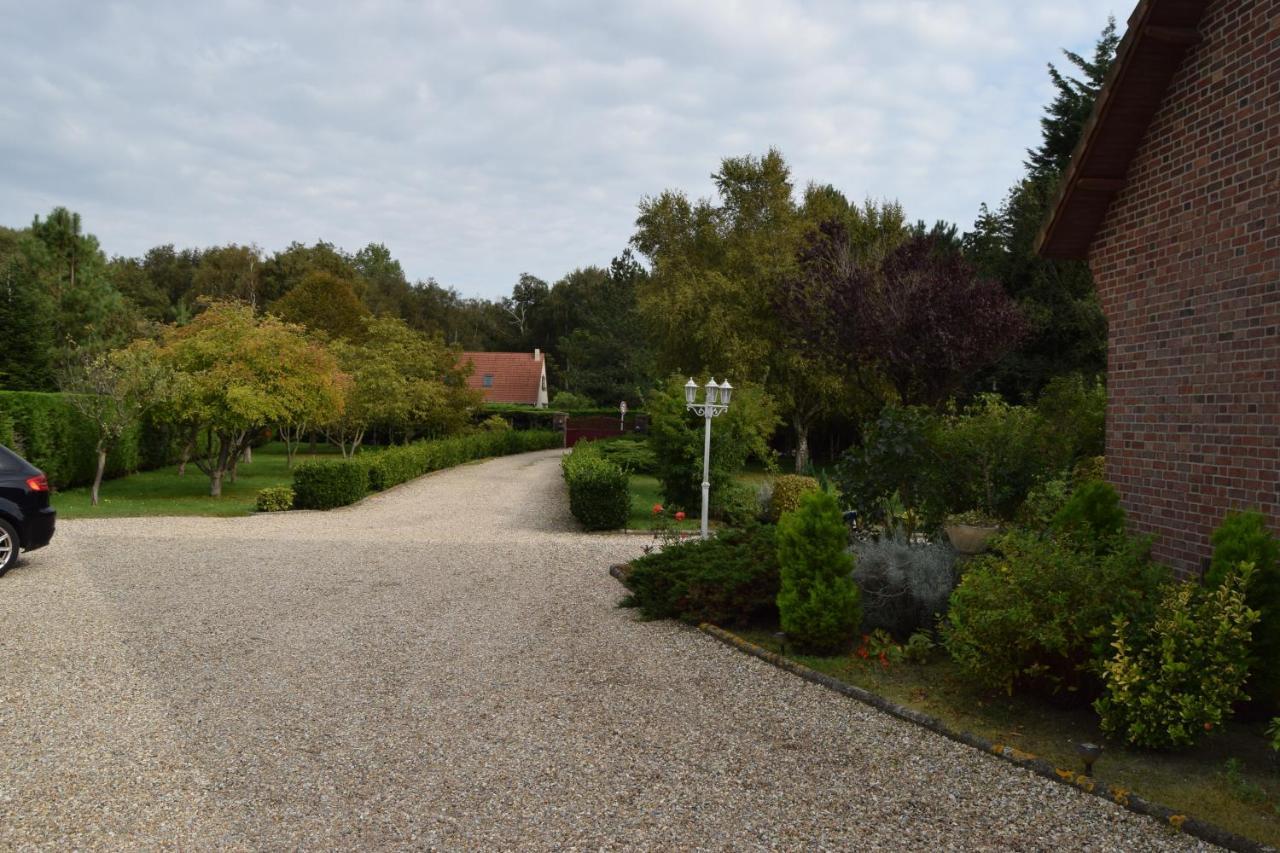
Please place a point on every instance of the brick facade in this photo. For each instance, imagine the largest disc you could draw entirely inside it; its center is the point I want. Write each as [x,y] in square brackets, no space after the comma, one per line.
[1187,264]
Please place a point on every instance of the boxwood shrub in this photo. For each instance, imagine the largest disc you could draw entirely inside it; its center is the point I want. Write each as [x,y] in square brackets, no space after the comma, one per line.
[599,496]
[329,483]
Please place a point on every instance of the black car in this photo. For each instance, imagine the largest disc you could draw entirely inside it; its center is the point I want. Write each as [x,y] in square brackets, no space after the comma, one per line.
[26,519]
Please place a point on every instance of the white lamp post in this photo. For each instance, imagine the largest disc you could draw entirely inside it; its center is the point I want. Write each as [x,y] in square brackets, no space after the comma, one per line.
[715,402]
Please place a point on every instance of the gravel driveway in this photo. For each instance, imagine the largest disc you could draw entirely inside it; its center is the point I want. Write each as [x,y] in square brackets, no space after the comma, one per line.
[443,666]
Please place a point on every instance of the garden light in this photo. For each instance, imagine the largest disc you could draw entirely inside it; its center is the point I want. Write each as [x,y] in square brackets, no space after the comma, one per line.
[715,402]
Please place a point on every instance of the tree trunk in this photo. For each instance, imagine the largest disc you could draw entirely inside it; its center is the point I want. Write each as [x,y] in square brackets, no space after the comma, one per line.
[248,455]
[97,477]
[802,443]
[219,468]
[187,447]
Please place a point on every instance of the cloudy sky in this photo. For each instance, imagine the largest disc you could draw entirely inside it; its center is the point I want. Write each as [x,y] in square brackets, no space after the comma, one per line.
[482,139]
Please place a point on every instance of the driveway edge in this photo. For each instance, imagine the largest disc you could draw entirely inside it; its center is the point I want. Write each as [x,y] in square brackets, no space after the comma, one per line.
[1090,785]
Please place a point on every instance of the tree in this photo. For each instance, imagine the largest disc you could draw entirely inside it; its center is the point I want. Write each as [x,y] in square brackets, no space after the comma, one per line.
[284,270]
[604,351]
[1066,329]
[402,380]
[230,272]
[88,312]
[237,374]
[323,302]
[26,316]
[114,391]
[920,317]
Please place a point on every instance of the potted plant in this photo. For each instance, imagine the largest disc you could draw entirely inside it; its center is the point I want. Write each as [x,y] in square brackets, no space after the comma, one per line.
[971,531]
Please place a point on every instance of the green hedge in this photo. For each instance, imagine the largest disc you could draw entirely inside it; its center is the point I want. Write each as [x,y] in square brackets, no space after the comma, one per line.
[599,496]
[55,437]
[328,483]
[395,465]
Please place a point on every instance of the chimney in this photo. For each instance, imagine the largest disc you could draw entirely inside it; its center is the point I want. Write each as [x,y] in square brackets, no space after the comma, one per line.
[537,354]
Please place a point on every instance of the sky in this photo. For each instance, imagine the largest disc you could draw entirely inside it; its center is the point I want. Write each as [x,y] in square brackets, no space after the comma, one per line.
[479,140]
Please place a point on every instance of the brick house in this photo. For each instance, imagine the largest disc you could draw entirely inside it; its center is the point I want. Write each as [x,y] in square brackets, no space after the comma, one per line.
[509,377]
[1173,197]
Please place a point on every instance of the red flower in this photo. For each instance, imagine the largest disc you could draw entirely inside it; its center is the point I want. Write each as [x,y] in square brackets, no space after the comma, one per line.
[1208,727]
[657,509]
[862,652]
[679,516]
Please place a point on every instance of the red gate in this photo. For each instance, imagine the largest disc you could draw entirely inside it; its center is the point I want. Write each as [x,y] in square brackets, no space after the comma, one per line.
[602,426]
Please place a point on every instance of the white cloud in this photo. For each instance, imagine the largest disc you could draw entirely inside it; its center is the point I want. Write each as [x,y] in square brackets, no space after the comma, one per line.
[480,140]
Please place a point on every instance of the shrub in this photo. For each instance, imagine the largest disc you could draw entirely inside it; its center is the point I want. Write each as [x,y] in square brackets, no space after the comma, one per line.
[275,499]
[1093,513]
[989,457]
[676,438]
[1243,537]
[495,423]
[1176,679]
[394,465]
[919,648]
[788,491]
[731,579]
[735,504]
[1073,412]
[904,586]
[1037,612]
[567,401]
[631,454]
[599,496]
[1273,732]
[897,456]
[329,483]
[818,602]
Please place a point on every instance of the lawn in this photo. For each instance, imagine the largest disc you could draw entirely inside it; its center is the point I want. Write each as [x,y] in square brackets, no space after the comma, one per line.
[1231,779]
[163,492]
[645,492]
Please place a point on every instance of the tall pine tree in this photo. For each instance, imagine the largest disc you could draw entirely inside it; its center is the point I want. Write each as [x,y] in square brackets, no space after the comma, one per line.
[1068,333]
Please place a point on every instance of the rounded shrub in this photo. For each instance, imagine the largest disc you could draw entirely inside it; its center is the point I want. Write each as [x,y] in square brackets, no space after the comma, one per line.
[599,493]
[818,602]
[904,585]
[1037,612]
[275,499]
[788,490]
[329,483]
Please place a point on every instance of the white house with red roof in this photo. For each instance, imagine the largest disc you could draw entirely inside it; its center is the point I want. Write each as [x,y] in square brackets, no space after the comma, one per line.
[509,377]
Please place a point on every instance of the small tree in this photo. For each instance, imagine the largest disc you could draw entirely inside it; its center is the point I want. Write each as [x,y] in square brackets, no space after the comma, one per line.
[237,374]
[819,604]
[113,391]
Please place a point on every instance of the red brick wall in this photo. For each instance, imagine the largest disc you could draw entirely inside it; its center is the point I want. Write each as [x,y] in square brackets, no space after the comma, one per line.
[1187,265]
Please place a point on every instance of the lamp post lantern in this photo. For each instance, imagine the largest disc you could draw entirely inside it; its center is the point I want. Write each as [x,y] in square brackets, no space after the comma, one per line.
[715,402]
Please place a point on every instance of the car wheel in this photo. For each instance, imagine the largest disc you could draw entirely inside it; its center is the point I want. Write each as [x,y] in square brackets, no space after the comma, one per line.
[8,546]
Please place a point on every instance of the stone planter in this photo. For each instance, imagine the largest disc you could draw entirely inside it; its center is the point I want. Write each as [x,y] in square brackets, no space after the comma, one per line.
[970,539]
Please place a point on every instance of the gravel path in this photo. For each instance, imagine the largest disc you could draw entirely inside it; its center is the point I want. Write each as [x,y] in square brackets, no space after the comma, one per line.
[443,666]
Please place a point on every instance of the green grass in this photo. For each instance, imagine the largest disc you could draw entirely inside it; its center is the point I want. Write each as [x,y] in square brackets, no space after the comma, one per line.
[1231,779]
[646,491]
[163,492]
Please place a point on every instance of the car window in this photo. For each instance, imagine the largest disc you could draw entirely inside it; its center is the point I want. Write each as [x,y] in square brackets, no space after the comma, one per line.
[10,461]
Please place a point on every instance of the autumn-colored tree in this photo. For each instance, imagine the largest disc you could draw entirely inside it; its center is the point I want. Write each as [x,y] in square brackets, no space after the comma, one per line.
[324,302]
[113,391]
[402,380]
[237,374]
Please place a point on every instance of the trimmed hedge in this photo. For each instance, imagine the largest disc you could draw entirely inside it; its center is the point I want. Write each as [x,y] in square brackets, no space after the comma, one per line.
[599,496]
[55,437]
[329,483]
[315,486]
[275,499]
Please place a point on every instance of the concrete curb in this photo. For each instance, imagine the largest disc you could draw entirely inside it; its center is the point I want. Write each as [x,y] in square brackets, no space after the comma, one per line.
[1090,785]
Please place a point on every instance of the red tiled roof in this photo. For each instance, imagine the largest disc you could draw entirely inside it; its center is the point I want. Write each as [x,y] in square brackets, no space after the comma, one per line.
[516,376]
